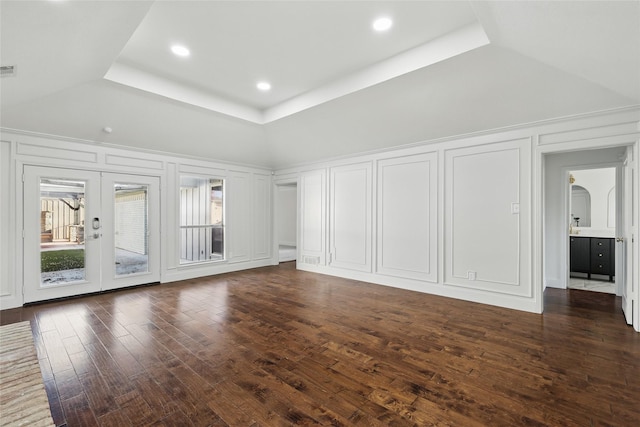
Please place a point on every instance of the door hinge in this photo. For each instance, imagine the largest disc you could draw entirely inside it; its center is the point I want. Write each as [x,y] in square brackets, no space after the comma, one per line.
[22,177]
[23,234]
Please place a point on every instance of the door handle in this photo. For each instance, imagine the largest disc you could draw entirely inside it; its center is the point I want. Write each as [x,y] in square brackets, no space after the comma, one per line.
[619,239]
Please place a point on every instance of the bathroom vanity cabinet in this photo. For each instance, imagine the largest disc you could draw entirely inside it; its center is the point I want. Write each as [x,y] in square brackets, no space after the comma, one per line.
[592,255]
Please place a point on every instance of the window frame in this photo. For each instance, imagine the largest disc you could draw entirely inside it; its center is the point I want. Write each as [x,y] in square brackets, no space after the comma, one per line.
[205,222]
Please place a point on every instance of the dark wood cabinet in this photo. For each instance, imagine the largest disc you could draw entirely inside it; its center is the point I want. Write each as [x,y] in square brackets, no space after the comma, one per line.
[580,254]
[592,255]
[603,257]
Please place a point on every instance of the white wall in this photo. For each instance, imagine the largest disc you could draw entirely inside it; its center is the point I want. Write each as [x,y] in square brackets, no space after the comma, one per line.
[313,218]
[487,218]
[238,212]
[440,211]
[461,217]
[261,209]
[350,216]
[407,232]
[248,231]
[287,212]
[7,290]
[445,205]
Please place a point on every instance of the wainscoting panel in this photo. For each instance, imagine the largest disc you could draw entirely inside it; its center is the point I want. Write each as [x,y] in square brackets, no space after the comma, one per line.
[6,264]
[407,239]
[238,218]
[486,207]
[137,162]
[350,223]
[201,170]
[313,217]
[56,153]
[582,134]
[261,216]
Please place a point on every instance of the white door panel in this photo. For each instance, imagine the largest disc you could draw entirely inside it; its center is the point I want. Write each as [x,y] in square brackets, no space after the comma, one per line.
[130,224]
[61,254]
[626,243]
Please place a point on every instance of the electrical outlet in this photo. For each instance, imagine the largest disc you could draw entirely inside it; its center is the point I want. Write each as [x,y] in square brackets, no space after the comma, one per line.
[471,275]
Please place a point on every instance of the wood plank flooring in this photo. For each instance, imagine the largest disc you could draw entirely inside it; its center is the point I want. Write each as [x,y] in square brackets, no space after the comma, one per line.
[277,347]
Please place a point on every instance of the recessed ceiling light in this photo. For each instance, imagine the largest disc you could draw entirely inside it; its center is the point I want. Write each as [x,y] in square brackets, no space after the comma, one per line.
[263,86]
[382,24]
[180,50]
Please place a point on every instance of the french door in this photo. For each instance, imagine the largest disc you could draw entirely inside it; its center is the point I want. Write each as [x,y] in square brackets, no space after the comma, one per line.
[87,231]
[628,244]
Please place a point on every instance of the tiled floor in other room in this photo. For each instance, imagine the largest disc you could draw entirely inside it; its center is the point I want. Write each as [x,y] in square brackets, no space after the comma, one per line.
[592,285]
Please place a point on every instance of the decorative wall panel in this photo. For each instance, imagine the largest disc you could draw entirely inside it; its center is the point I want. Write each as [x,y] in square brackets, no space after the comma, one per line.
[238,216]
[56,153]
[407,240]
[313,217]
[486,213]
[261,216]
[137,162]
[5,204]
[350,223]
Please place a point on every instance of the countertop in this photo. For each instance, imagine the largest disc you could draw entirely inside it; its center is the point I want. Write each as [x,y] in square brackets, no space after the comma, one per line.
[590,232]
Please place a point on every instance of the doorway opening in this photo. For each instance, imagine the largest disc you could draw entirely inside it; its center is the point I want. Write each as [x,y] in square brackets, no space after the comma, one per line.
[592,232]
[575,244]
[286,217]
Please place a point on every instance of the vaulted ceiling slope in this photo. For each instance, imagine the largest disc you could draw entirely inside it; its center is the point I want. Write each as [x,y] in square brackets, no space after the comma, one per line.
[338,88]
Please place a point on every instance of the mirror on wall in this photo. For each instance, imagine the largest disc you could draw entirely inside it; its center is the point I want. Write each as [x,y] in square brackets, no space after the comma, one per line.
[593,198]
[580,206]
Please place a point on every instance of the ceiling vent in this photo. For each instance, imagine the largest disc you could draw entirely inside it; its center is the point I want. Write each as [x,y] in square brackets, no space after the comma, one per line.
[8,71]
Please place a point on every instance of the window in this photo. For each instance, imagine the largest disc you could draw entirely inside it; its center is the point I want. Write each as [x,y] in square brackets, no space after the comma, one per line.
[201,219]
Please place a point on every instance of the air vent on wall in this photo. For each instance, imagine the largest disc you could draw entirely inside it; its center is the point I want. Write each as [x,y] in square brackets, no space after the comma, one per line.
[7,71]
[313,260]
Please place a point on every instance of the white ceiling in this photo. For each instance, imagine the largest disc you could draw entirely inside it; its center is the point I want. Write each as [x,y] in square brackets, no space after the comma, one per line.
[311,52]
[338,88]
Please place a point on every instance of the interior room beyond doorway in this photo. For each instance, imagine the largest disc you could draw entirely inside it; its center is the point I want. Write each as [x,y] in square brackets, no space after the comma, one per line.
[560,227]
[592,229]
[287,201]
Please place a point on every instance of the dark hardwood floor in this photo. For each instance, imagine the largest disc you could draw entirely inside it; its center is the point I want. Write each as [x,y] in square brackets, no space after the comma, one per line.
[276,346]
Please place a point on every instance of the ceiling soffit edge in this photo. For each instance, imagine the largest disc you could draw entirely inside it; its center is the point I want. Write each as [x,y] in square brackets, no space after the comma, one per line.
[455,43]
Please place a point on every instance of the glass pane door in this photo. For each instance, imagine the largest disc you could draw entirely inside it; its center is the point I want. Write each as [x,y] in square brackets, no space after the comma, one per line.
[88,231]
[131,242]
[131,235]
[62,240]
[62,254]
